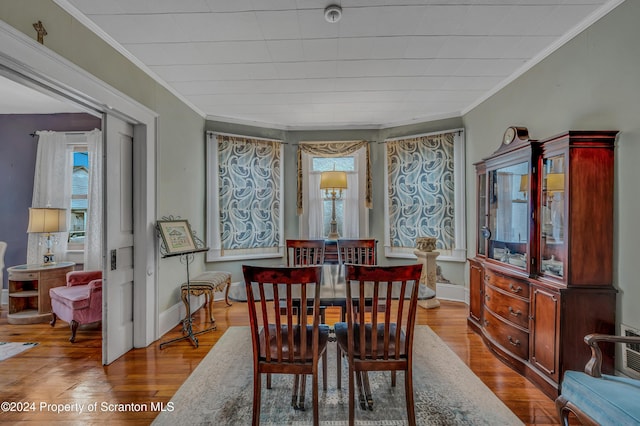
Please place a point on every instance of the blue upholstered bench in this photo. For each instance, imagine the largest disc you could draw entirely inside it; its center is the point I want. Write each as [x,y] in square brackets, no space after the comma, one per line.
[600,399]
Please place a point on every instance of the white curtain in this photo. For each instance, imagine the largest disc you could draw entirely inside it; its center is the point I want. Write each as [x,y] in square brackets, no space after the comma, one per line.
[351,224]
[51,188]
[93,231]
[316,207]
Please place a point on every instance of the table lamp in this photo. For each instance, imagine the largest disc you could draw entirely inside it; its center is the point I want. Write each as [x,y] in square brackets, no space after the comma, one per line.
[333,182]
[46,221]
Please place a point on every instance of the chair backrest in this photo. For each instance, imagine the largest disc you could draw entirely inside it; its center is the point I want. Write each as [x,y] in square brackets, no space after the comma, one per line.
[358,251]
[274,333]
[381,309]
[305,252]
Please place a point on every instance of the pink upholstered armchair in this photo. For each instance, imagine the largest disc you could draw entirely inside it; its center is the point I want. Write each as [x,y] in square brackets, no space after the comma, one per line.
[80,302]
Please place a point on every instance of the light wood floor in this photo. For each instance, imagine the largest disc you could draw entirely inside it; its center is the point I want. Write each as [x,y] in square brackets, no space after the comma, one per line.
[59,372]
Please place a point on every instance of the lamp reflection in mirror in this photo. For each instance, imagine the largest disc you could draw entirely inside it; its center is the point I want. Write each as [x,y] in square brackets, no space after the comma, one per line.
[524,185]
[333,182]
[47,221]
[555,182]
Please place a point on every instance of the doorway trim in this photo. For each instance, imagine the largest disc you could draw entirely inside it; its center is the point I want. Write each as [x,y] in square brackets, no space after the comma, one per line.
[22,59]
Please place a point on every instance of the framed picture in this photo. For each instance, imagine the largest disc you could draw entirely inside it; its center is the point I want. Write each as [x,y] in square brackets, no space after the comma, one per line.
[177,236]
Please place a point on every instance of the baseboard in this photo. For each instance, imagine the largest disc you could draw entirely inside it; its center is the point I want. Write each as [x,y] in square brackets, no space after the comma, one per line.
[172,316]
[453,292]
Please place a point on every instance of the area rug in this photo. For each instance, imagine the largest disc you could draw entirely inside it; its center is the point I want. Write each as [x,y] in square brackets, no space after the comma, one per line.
[220,391]
[9,349]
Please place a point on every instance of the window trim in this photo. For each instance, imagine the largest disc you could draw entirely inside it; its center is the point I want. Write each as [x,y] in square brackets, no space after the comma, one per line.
[360,170]
[459,252]
[216,254]
[76,142]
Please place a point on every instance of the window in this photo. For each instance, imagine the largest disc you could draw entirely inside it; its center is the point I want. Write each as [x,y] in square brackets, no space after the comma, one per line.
[244,200]
[79,198]
[425,187]
[324,164]
[314,207]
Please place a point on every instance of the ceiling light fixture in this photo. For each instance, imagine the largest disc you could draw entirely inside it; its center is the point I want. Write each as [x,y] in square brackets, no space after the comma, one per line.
[333,13]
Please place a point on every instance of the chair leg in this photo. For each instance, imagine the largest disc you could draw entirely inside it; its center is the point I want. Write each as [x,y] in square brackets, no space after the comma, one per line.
[268,380]
[324,370]
[339,366]
[361,397]
[303,387]
[393,378]
[54,317]
[314,402]
[367,390]
[74,327]
[208,301]
[352,395]
[255,419]
[294,395]
[226,292]
[408,389]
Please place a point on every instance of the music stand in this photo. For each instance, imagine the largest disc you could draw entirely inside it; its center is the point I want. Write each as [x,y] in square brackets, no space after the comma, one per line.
[178,240]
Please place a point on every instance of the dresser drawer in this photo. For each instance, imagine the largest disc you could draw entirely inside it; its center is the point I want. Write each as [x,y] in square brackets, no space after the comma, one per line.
[511,308]
[508,284]
[23,276]
[510,337]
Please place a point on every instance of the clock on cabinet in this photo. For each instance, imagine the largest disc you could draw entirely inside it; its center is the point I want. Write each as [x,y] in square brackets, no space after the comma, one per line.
[514,132]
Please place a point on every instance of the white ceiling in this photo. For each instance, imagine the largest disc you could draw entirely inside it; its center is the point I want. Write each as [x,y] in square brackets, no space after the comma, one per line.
[279,63]
[18,99]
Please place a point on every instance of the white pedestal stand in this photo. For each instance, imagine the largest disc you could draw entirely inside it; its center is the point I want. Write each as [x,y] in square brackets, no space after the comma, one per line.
[428,278]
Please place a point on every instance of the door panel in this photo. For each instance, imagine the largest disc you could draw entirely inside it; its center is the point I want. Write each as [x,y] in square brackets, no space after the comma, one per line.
[118,230]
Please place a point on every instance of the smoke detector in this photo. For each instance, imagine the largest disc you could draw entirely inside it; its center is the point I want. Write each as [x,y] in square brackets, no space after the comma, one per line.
[333,13]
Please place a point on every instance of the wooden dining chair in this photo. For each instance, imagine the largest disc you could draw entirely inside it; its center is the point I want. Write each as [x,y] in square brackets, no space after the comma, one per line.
[285,344]
[305,252]
[362,252]
[358,251]
[380,341]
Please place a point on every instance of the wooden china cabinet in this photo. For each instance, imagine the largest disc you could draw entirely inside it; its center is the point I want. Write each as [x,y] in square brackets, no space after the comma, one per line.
[542,276]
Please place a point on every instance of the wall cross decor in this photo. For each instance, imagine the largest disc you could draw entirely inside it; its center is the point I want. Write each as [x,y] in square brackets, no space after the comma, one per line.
[40,30]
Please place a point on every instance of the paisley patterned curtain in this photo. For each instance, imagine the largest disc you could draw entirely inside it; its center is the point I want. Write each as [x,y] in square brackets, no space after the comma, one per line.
[249,194]
[421,190]
[334,149]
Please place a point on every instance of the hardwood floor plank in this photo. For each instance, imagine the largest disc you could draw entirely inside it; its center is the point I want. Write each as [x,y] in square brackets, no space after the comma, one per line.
[58,372]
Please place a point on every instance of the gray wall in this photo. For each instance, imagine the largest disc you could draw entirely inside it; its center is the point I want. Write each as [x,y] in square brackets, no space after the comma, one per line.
[180,130]
[454,271]
[591,83]
[17,163]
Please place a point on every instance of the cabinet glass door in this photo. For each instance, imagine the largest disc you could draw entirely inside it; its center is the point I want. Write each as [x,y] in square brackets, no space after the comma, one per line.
[482,214]
[552,231]
[509,214]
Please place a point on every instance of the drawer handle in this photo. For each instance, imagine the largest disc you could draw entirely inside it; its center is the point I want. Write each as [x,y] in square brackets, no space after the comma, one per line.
[486,323]
[514,343]
[515,289]
[514,313]
[487,297]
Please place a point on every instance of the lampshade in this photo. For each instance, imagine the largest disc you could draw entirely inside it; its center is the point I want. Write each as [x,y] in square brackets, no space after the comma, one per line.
[333,180]
[524,183]
[47,220]
[555,182]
